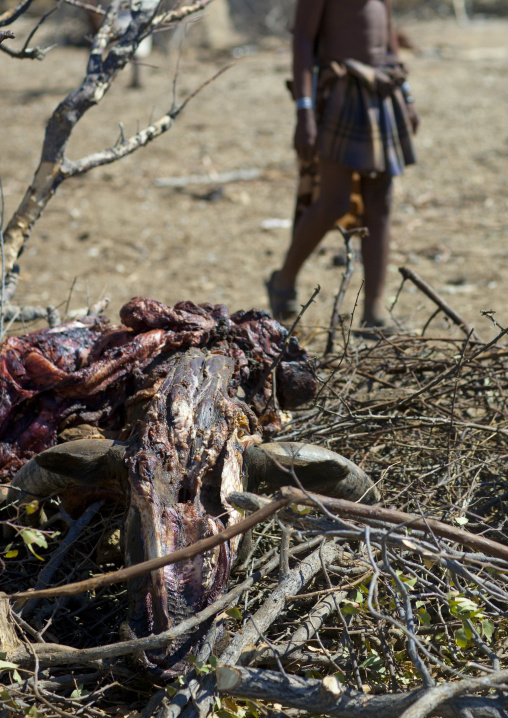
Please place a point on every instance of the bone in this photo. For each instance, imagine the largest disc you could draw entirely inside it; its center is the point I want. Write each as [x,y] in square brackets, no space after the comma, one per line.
[318,469]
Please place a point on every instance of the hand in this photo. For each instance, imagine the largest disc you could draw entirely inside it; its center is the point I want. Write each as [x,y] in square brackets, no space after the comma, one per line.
[414,117]
[305,135]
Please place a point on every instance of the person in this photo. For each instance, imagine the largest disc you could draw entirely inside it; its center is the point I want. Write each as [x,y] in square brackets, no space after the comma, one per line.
[355,118]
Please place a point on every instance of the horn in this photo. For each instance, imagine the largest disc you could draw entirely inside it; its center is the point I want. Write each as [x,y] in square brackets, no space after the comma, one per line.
[318,469]
[90,462]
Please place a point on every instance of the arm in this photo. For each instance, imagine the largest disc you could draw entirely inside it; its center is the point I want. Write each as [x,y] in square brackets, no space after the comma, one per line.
[393,43]
[307,21]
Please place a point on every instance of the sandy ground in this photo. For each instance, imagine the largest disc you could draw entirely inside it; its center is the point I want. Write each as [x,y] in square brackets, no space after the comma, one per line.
[117,232]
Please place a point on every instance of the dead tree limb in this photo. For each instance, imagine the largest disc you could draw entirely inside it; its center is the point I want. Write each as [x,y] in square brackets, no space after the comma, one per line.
[139,569]
[347,235]
[254,628]
[293,583]
[328,697]
[444,306]
[9,16]
[436,696]
[104,63]
[391,516]
[373,514]
[303,634]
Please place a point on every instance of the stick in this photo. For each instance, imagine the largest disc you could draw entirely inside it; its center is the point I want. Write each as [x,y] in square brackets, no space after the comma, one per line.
[344,284]
[153,564]
[437,695]
[305,632]
[54,654]
[329,697]
[48,571]
[434,296]
[241,175]
[259,623]
[351,510]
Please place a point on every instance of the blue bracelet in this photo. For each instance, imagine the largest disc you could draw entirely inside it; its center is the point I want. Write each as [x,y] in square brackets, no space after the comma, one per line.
[304,103]
[406,92]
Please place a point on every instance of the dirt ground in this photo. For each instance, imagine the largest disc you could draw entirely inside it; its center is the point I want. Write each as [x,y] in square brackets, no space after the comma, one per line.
[119,232]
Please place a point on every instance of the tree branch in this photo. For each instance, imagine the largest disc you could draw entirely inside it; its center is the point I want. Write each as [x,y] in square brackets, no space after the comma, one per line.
[329,697]
[139,569]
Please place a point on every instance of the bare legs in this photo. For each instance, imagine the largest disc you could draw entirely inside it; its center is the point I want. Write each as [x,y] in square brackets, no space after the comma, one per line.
[320,217]
[377,198]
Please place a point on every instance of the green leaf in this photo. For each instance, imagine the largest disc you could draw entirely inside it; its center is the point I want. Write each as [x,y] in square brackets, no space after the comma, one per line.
[12,553]
[33,536]
[235,613]
[313,673]
[375,662]
[461,638]
[341,677]
[79,692]
[32,507]
[488,629]
[225,714]
[461,520]
[464,607]
[231,705]
[350,610]
[424,617]
[406,579]
[253,709]
[5,665]
[8,699]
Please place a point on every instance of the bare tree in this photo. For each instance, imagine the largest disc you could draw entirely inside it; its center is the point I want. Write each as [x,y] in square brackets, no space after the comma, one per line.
[110,52]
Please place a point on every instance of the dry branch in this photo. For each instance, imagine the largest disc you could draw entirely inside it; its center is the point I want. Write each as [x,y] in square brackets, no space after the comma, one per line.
[329,697]
[103,66]
[54,563]
[58,654]
[315,620]
[376,515]
[184,554]
[293,583]
[347,235]
[443,306]
[239,649]
[9,16]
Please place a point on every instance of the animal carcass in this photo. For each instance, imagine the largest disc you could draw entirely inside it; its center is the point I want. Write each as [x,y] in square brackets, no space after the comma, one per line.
[168,388]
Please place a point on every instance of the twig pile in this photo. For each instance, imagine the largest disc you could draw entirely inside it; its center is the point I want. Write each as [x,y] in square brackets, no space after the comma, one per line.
[379,618]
